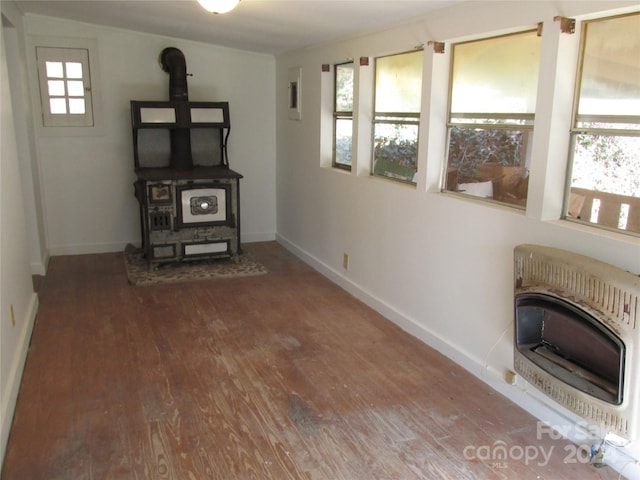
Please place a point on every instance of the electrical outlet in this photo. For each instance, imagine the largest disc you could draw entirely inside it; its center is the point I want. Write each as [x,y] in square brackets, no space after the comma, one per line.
[345,261]
[13,317]
[598,457]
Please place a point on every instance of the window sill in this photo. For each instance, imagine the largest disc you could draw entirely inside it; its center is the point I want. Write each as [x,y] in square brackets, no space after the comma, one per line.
[485,201]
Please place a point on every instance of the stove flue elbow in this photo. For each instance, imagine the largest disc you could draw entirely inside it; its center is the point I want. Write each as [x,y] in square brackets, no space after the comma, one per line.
[173,62]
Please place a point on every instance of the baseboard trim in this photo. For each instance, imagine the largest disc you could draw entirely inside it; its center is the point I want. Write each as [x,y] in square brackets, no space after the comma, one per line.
[11,389]
[258,237]
[40,267]
[86,249]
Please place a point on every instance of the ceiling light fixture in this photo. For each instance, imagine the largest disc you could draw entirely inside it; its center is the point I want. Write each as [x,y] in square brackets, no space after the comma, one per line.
[219,6]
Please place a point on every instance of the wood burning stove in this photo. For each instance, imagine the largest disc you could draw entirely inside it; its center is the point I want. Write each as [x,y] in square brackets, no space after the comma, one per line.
[577,324]
[189,197]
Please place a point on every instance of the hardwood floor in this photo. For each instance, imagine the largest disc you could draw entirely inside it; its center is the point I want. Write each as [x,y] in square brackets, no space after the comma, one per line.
[280,376]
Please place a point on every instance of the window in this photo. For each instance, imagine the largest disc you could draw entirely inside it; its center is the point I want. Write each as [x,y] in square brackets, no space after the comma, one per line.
[343,115]
[493,97]
[398,87]
[65,87]
[604,183]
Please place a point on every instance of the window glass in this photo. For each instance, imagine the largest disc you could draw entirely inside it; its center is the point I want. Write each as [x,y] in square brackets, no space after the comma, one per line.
[344,87]
[398,90]
[496,75]
[399,82]
[75,88]
[610,82]
[54,69]
[56,88]
[343,115]
[76,106]
[343,140]
[74,69]
[58,105]
[604,184]
[493,95]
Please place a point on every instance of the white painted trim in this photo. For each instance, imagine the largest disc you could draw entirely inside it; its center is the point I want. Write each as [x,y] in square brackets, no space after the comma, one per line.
[88,248]
[40,267]
[11,389]
[258,237]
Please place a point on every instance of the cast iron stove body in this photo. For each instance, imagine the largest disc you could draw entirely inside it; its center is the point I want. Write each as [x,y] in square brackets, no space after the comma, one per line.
[189,197]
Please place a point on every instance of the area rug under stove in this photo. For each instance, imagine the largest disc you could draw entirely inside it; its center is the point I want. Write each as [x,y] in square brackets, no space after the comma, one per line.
[139,273]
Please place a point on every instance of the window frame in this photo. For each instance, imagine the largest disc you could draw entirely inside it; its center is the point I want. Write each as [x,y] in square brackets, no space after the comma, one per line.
[577,129]
[513,122]
[395,118]
[341,115]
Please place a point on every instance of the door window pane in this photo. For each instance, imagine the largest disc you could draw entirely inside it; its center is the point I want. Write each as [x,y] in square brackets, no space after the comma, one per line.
[58,105]
[56,88]
[76,106]
[75,88]
[54,69]
[74,69]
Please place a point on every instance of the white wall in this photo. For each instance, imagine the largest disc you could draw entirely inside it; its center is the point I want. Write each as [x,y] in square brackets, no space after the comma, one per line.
[87,180]
[438,265]
[18,302]
[15,49]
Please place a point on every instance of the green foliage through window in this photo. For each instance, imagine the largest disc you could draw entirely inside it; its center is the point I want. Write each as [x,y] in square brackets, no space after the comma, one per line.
[469,147]
[396,151]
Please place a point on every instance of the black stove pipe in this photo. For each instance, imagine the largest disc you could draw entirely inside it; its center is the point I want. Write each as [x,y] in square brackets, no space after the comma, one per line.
[173,62]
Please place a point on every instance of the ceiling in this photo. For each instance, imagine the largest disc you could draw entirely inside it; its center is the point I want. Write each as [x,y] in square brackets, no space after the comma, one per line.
[265,26]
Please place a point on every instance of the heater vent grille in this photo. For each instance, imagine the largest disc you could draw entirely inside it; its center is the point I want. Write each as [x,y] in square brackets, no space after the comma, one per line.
[598,288]
[555,390]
